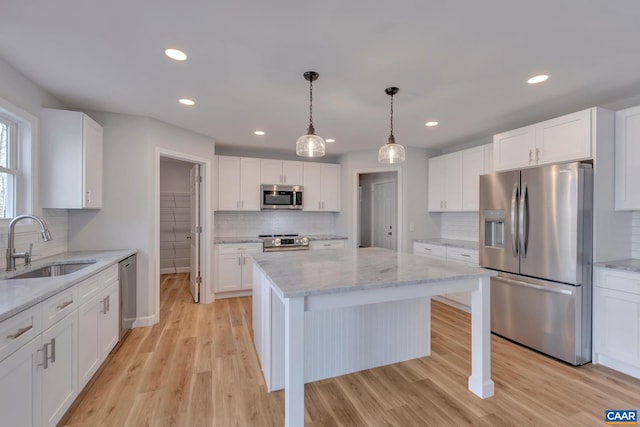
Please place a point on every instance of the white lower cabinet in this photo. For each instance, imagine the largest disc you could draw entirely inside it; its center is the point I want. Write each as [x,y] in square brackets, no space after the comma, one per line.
[21,386]
[49,351]
[234,268]
[59,373]
[326,244]
[99,323]
[616,320]
[449,253]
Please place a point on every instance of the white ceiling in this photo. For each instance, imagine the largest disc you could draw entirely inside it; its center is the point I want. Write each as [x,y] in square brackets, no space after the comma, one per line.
[463,63]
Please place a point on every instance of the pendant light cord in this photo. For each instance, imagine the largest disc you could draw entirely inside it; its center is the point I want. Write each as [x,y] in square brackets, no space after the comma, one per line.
[311,103]
[391,115]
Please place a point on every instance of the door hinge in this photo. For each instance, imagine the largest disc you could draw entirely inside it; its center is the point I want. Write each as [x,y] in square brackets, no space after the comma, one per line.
[199,280]
[198,229]
[198,179]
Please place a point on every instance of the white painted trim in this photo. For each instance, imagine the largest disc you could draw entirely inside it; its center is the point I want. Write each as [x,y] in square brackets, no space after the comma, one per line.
[207,225]
[171,270]
[141,322]
[400,203]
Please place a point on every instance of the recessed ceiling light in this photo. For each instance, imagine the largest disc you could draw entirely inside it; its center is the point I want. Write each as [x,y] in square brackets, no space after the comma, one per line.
[176,54]
[186,101]
[431,124]
[537,79]
[258,132]
[330,140]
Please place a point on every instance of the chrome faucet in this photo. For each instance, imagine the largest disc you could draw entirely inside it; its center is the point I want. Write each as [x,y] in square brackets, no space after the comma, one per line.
[11,251]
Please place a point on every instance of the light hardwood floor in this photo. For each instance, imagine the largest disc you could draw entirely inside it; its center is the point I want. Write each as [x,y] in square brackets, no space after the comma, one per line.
[198,367]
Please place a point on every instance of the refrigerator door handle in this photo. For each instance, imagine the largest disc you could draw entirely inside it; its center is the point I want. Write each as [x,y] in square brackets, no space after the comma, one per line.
[515,194]
[523,221]
[534,286]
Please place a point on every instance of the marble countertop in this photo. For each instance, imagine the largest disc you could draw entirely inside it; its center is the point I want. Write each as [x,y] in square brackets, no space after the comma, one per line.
[463,244]
[236,239]
[304,273]
[632,265]
[255,239]
[16,295]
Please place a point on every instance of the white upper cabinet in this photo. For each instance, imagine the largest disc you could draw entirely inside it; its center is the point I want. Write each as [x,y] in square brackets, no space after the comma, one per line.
[627,163]
[238,183]
[71,169]
[473,165]
[321,187]
[557,140]
[281,172]
[454,179]
[445,183]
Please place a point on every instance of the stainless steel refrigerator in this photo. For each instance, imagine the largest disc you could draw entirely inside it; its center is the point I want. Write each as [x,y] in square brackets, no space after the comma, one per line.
[536,231]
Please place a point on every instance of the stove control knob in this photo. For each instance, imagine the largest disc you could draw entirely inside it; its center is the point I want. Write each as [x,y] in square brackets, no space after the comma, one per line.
[277,242]
[305,241]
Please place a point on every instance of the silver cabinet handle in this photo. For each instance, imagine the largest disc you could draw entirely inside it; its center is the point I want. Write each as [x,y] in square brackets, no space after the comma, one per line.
[53,350]
[239,259]
[103,302]
[427,249]
[45,360]
[20,332]
[537,155]
[466,255]
[64,305]
[530,156]
[108,302]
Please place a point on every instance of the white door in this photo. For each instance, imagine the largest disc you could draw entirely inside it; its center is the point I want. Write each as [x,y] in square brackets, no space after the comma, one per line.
[196,229]
[384,215]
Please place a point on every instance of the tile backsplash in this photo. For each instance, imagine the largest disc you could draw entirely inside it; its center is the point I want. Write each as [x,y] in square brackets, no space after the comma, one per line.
[635,235]
[58,222]
[460,226]
[267,222]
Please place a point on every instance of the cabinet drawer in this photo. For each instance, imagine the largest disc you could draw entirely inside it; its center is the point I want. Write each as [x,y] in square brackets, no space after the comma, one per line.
[20,329]
[88,289]
[464,255]
[426,249]
[58,306]
[109,275]
[327,244]
[617,280]
[251,248]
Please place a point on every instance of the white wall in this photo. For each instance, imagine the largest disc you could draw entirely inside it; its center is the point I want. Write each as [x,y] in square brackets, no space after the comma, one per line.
[17,90]
[128,218]
[413,176]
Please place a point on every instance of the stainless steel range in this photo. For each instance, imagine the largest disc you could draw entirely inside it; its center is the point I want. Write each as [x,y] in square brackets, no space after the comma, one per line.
[284,242]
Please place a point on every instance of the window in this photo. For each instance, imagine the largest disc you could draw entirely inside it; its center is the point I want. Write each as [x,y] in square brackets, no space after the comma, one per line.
[17,132]
[8,167]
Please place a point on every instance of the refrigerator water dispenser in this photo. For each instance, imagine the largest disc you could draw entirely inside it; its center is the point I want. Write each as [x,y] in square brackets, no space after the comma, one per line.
[494,228]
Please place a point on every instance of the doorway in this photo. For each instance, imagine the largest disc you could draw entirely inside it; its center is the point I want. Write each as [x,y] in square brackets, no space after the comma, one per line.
[180,221]
[378,210]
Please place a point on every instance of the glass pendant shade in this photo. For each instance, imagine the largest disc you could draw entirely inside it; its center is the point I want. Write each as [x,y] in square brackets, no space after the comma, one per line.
[310,145]
[391,153]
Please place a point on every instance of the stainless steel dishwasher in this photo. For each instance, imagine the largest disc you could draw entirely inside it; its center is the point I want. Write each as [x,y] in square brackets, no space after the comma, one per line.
[128,292]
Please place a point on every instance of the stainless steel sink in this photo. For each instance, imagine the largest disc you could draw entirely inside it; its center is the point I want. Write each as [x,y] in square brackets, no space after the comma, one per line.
[53,270]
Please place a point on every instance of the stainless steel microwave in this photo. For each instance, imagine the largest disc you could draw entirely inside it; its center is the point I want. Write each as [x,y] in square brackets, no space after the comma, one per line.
[281,197]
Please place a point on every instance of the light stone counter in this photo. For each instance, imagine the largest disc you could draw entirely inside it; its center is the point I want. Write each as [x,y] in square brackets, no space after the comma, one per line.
[236,239]
[16,295]
[314,237]
[303,273]
[631,265]
[462,244]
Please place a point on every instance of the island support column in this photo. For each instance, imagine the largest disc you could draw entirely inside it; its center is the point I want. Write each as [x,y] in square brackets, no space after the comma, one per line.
[294,362]
[480,381]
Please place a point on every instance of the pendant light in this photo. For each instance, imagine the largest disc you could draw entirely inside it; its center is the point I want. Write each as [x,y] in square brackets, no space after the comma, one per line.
[310,145]
[391,152]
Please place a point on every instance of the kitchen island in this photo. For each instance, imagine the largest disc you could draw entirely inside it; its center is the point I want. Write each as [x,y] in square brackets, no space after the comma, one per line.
[321,314]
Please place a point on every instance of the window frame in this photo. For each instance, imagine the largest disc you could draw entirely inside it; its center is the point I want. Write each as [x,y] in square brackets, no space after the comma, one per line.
[25,133]
[12,162]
